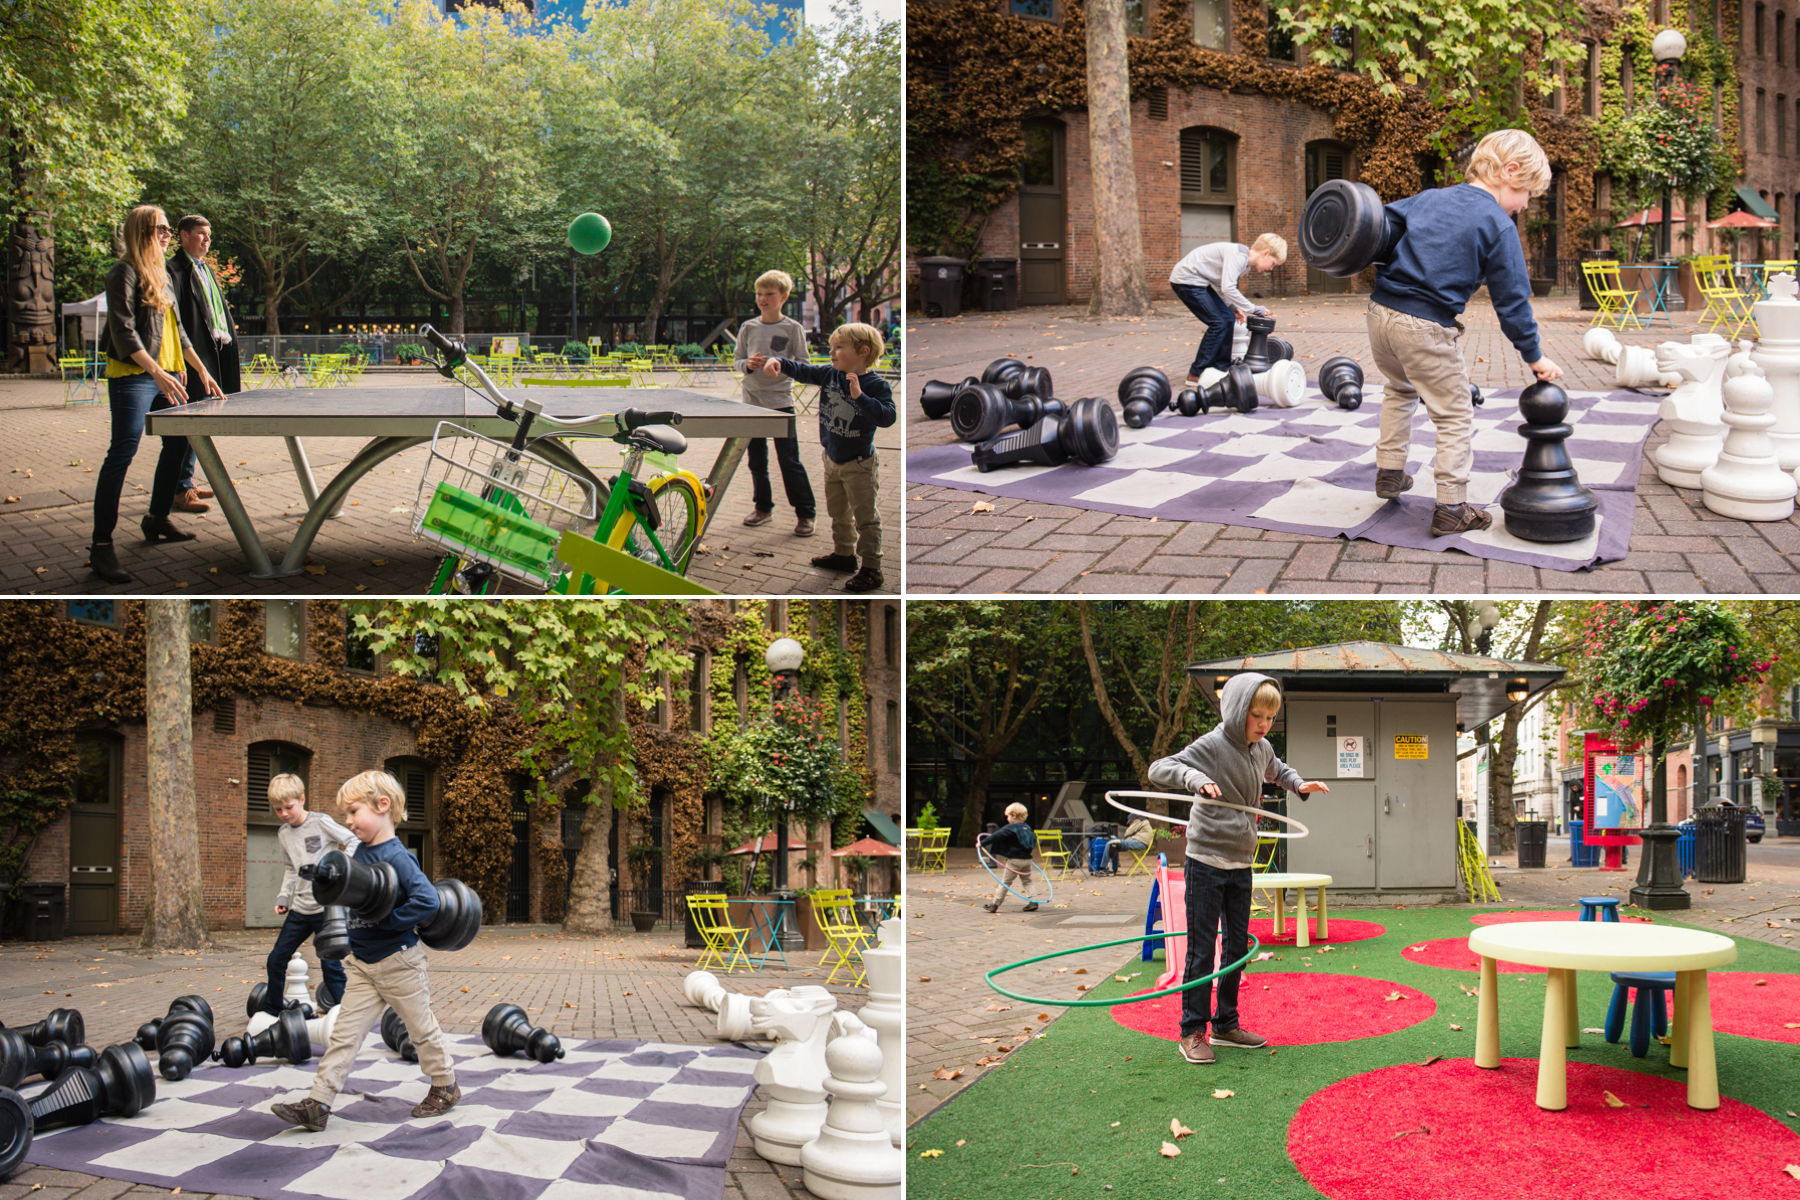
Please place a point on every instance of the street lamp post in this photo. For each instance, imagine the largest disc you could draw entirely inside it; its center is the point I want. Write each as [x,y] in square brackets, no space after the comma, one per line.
[1667,48]
[783,658]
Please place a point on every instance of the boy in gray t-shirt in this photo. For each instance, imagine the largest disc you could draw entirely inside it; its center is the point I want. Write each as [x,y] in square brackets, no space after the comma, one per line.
[305,838]
[774,335]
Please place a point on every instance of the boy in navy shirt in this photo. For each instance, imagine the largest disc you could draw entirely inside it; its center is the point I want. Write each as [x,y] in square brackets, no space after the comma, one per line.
[853,403]
[1011,846]
[386,967]
[1453,239]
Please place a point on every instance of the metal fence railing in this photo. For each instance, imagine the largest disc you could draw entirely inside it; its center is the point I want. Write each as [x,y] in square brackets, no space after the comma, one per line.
[670,905]
[1565,272]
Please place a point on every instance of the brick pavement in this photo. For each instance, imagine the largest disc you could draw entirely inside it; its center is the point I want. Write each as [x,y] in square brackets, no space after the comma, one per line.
[1026,546]
[52,453]
[621,985]
[954,1020]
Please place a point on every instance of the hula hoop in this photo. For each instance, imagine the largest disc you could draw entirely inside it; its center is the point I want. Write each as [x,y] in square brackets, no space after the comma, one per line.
[982,856]
[1136,999]
[1255,812]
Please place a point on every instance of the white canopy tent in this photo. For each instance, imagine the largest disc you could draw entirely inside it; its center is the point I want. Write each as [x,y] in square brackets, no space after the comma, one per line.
[91,311]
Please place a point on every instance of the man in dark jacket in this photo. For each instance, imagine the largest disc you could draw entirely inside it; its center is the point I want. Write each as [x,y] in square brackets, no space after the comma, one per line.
[212,327]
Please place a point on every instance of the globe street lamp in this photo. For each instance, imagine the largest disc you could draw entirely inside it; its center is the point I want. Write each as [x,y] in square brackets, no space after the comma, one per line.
[1667,48]
[783,658]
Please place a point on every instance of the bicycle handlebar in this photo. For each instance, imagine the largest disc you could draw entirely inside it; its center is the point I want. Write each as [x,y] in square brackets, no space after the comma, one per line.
[637,418]
[440,341]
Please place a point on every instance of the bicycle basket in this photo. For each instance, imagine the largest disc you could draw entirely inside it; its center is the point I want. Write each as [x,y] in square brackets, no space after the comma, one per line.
[483,500]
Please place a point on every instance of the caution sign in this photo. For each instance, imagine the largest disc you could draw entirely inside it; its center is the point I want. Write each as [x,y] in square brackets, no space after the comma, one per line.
[1410,745]
[1349,757]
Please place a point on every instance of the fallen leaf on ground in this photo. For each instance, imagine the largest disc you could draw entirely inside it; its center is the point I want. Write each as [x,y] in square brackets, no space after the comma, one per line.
[924,979]
[311,570]
[1458,1028]
[1593,1030]
[1177,1130]
[1394,996]
[1793,1170]
[982,506]
[997,1007]
[931,1154]
[1613,1101]
[1436,1057]
[1760,983]
[1223,1093]
[1081,970]
[1127,978]
[1170,1150]
[1409,1132]
[945,1073]
[1266,954]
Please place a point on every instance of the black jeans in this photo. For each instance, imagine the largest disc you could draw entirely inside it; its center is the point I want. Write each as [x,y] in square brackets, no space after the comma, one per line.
[1216,315]
[1215,899]
[296,929]
[793,475]
[132,398]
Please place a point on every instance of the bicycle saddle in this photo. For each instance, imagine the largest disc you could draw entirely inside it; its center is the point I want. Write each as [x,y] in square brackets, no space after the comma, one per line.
[660,437]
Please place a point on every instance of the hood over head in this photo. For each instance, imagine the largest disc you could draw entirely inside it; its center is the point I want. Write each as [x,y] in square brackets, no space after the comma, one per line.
[1234,703]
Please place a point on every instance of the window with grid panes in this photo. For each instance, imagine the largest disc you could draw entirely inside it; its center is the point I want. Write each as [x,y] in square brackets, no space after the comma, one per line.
[1212,23]
[200,622]
[94,612]
[264,761]
[1282,46]
[283,625]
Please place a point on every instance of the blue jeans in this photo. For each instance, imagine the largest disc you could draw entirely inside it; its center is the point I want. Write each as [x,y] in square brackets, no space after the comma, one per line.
[1215,899]
[132,398]
[1215,343]
[296,929]
[793,475]
[1113,847]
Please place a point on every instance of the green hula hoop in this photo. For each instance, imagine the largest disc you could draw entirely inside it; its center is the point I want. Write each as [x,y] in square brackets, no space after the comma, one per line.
[1137,999]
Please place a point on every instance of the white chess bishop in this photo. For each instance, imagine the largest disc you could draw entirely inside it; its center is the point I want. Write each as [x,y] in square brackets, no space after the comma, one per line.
[1778,354]
[1695,411]
[1747,482]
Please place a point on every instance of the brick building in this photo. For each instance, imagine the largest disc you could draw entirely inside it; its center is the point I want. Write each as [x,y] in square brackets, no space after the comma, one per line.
[99,848]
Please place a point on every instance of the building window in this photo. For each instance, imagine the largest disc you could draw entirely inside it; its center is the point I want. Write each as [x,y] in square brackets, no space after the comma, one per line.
[1157,104]
[1590,75]
[1039,167]
[1759,31]
[1781,146]
[1780,38]
[283,623]
[1762,122]
[697,691]
[893,738]
[201,622]
[890,622]
[1627,75]
[267,760]
[96,770]
[665,703]
[1282,47]
[1212,23]
[778,616]
[1041,10]
[94,612]
[1208,187]
[1136,13]
[359,647]
[1344,38]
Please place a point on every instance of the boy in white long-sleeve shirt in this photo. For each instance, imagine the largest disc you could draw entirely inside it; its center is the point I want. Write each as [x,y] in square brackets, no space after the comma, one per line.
[1207,282]
[305,838]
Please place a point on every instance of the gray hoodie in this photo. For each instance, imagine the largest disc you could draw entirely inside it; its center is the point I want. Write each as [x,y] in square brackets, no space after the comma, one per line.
[305,843]
[1223,837]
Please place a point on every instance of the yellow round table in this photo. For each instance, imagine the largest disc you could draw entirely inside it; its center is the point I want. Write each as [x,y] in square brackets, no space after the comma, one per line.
[1567,947]
[1278,882]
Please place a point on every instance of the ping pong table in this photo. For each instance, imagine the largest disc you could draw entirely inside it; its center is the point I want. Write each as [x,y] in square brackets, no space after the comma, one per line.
[397,418]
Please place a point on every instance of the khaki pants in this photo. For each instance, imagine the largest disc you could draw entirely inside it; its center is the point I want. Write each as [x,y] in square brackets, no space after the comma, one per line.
[850,500]
[1015,873]
[1423,360]
[397,981]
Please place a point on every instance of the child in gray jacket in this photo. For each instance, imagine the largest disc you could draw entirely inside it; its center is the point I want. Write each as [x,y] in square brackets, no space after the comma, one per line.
[305,837]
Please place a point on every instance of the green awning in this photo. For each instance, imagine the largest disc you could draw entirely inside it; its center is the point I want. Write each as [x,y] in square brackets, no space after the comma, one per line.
[1756,204]
[884,826]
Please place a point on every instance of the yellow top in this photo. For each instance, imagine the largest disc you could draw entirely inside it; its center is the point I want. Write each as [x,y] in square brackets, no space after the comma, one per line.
[1603,946]
[168,357]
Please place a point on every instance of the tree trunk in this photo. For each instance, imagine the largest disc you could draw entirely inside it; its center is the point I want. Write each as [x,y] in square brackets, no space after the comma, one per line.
[590,891]
[975,802]
[175,913]
[1119,288]
[456,312]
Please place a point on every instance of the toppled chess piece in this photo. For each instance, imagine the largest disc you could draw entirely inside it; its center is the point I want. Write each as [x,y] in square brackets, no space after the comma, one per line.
[394,1035]
[885,1013]
[285,1039]
[1547,503]
[1235,390]
[1695,410]
[1636,365]
[1341,379]
[1778,354]
[20,1060]
[1280,349]
[1344,229]
[457,920]
[120,1084]
[936,396]
[853,1158]
[1143,393]
[981,410]
[737,1022]
[294,992]
[59,1025]
[1747,481]
[183,1043]
[1087,433]
[1015,379]
[703,990]
[15,1131]
[1283,385]
[792,1076]
[506,1030]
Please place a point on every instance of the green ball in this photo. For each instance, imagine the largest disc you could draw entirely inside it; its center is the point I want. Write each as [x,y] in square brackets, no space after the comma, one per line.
[589,233]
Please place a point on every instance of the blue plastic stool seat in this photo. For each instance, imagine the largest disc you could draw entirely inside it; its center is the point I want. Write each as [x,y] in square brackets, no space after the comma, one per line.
[1648,1016]
[1600,908]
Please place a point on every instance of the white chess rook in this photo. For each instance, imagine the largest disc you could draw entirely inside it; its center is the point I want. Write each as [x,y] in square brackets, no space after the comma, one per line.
[1778,354]
[1695,411]
[885,1013]
[853,1157]
[792,1075]
[1747,482]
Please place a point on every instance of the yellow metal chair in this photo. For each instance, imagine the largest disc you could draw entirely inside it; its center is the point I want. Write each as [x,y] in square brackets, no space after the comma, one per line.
[934,850]
[1142,861]
[835,912]
[1264,861]
[1726,303]
[1617,305]
[80,380]
[712,917]
[1053,852]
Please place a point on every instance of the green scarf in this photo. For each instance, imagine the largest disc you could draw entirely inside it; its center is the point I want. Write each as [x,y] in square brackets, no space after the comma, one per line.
[214,301]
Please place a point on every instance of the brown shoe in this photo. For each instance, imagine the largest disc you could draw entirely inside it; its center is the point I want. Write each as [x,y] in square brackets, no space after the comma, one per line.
[865,580]
[1389,484]
[1447,519]
[1239,1037]
[309,1114]
[438,1101]
[759,517]
[189,501]
[203,493]
[804,527]
[835,562]
[1195,1049]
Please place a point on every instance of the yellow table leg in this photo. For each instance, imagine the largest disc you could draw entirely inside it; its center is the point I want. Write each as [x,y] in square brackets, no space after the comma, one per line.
[1703,1068]
[1280,911]
[1300,932]
[1678,1022]
[1487,1016]
[1323,932]
[1553,1056]
[1571,1017]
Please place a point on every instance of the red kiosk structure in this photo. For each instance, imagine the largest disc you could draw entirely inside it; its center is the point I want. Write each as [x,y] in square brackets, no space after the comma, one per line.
[1615,789]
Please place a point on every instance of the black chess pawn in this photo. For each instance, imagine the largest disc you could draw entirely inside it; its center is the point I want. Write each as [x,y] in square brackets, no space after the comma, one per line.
[1088,433]
[1143,393]
[285,1039]
[333,939]
[120,1084]
[1341,379]
[1475,396]
[1015,379]
[458,917]
[393,1033]
[506,1030]
[1256,355]
[15,1131]
[1547,503]
[146,1035]
[1237,390]
[935,397]
[982,410]
[1280,350]
[20,1060]
[370,890]
[59,1025]
[184,1042]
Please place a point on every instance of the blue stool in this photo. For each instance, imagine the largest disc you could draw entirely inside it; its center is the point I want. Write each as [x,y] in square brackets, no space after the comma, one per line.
[1648,1016]
[1600,908]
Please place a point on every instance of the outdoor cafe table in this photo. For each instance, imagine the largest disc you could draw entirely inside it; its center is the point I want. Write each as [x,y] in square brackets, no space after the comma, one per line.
[1652,288]
[1566,947]
[768,913]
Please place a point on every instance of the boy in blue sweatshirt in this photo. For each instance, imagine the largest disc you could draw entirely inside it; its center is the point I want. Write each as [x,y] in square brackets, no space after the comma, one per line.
[1231,763]
[1453,238]
[1011,846]
[386,967]
[853,403]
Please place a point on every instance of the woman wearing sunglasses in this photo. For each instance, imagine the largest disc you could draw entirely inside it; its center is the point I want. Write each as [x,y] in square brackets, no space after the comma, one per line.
[146,353]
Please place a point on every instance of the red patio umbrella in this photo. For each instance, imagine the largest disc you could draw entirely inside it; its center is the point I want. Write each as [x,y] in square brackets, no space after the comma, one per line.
[767,846]
[1742,220]
[1653,216]
[867,848]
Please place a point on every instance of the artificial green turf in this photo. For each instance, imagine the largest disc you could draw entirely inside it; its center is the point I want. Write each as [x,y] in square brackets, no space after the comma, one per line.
[1054,1101]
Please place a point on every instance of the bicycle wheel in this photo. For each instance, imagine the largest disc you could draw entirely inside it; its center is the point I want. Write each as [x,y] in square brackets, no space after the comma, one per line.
[678,507]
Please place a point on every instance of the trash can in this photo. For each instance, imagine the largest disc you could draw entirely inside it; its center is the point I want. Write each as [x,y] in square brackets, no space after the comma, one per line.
[999,284]
[1534,838]
[1721,854]
[1580,853]
[1684,851]
[45,906]
[696,887]
[940,286]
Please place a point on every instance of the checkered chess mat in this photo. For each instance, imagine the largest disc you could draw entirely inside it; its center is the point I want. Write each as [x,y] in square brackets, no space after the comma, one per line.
[613,1120]
[1311,469]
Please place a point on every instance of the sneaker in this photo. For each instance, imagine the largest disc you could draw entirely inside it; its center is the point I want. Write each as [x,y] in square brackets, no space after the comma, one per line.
[189,501]
[203,493]
[1240,1037]
[1030,906]
[309,1114]
[1195,1049]
[1389,484]
[865,580]
[835,562]
[759,517]
[804,527]
[438,1101]
[1447,519]
[993,906]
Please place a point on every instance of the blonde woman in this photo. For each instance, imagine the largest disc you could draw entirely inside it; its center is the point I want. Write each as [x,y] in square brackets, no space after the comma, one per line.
[146,353]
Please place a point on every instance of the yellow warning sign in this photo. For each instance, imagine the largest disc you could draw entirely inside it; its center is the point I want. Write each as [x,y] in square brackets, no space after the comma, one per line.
[1410,745]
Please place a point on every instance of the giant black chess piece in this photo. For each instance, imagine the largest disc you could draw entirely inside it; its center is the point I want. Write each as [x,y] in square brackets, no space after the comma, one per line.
[253,1003]
[507,1030]
[59,1025]
[936,396]
[982,410]
[15,1131]
[1087,433]
[285,1039]
[1015,379]
[394,1035]
[457,919]
[1237,390]
[1547,503]
[1143,393]
[1345,229]
[1256,354]
[1341,378]
[333,939]
[1280,350]
[184,1039]
[370,890]
[120,1084]
[20,1060]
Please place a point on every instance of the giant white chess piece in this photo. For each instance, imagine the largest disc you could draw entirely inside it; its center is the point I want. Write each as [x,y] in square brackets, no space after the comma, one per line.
[853,1157]
[1283,385]
[1747,482]
[735,1024]
[792,1075]
[1636,365]
[296,989]
[1695,411]
[703,990]
[885,1013]
[1778,354]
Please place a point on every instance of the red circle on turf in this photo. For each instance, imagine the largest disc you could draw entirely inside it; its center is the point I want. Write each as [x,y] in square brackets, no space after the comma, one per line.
[1488,1138]
[1740,1007]
[1510,918]
[1298,1009]
[1453,954]
[1339,931]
